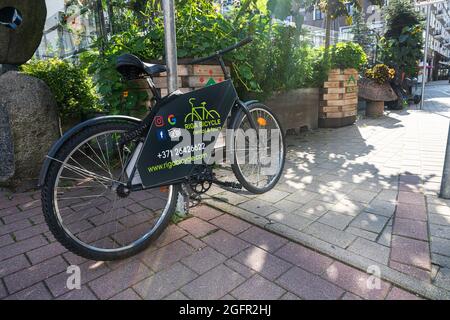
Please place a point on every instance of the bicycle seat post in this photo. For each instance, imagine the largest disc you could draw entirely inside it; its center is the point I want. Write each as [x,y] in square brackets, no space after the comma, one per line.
[224,68]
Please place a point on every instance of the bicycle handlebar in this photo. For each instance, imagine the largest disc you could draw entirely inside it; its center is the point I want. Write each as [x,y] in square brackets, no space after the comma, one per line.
[223,51]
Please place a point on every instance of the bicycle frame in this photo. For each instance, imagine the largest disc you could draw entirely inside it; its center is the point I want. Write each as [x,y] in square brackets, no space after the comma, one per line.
[202,109]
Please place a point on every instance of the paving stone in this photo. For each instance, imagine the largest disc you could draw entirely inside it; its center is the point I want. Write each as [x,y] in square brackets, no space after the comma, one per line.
[14,226]
[371,250]
[5,240]
[382,208]
[399,294]
[36,292]
[263,239]
[258,288]
[411,252]
[290,219]
[336,220]
[411,198]
[194,242]
[302,196]
[258,206]
[314,209]
[205,212]
[356,281]
[273,196]
[289,296]
[350,296]
[308,286]
[177,295]
[387,195]
[411,228]
[231,197]
[43,253]
[34,274]
[362,233]
[334,236]
[164,282]
[213,284]
[440,220]
[440,260]
[304,258]
[440,246]
[166,256]
[349,207]
[443,278]
[197,227]
[89,271]
[439,231]
[128,294]
[171,234]
[370,222]
[3,292]
[78,294]
[263,262]
[30,232]
[287,206]
[411,270]
[385,237]
[120,279]
[13,264]
[240,268]
[231,224]
[360,195]
[203,260]
[225,243]
[22,215]
[438,209]
[411,211]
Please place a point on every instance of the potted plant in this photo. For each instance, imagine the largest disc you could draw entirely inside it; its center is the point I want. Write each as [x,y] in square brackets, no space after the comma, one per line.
[375,88]
[340,89]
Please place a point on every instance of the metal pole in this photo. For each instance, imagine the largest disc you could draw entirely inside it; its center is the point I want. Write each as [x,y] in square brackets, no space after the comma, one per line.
[425,55]
[170,44]
[445,184]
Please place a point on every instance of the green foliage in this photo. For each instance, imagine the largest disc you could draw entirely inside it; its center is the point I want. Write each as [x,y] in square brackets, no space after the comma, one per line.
[381,73]
[361,33]
[401,47]
[347,55]
[71,85]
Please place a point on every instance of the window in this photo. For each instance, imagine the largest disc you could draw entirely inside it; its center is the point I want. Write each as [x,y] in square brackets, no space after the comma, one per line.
[318,15]
[349,8]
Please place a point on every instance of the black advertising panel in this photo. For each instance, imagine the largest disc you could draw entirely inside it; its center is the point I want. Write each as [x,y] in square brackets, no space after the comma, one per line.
[200,112]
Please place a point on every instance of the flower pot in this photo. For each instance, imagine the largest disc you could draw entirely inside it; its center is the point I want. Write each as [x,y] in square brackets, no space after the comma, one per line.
[338,105]
[374,109]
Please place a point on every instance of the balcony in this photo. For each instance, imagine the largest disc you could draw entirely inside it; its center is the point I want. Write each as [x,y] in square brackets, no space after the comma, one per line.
[441,15]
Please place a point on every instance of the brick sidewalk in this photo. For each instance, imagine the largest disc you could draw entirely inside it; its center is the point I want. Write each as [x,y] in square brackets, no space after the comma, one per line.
[211,255]
[339,193]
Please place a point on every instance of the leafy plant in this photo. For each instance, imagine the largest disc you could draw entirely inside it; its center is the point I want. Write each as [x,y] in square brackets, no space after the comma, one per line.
[347,55]
[401,46]
[71,85]
[380,73]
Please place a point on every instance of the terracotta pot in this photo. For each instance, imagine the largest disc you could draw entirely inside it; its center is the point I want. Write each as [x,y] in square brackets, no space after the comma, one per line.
[374,109]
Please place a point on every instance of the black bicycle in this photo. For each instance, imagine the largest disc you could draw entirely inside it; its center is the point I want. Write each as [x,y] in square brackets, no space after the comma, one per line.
[111,184]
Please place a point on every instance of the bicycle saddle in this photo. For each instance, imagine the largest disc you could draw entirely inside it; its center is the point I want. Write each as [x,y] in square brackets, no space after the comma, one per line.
[125,61]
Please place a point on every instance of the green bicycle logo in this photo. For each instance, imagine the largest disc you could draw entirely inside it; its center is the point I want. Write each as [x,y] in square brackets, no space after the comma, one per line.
[200,113]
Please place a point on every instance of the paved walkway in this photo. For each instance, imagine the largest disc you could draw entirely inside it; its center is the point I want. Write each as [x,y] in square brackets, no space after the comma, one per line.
[211,255]
[340,191]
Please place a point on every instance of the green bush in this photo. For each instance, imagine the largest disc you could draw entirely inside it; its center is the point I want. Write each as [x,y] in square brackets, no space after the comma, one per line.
[71,85]
[347,55]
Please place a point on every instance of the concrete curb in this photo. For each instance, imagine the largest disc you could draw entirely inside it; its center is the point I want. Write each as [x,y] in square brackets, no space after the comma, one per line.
[401,280]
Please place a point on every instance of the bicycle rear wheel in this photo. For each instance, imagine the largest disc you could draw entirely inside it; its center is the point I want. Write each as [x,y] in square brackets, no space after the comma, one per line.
[87,205]
[258,162]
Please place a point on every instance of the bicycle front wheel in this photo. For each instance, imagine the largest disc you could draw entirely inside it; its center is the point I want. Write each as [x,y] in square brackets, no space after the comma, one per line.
[259,155]
[87,205]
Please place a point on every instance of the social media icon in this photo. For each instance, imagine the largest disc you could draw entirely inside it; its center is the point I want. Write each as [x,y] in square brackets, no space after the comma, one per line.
[161,135]
[159,121]
[174,133]
[172,120]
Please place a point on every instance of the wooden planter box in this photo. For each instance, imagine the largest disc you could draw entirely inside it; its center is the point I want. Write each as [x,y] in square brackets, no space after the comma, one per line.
[190,78]
[296,109]
[339,99]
